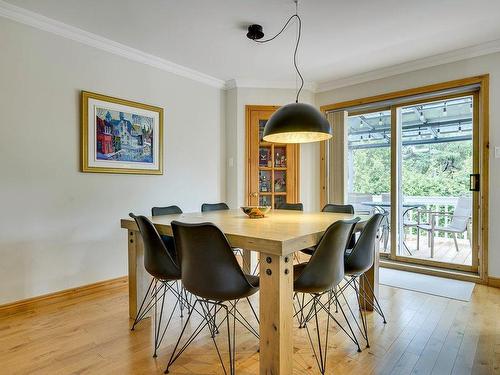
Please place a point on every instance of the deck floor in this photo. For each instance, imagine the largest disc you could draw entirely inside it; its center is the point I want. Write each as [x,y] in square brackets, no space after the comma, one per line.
[444,250]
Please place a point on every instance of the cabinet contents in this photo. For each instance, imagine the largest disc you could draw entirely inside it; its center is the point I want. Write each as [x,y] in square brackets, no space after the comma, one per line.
[279,181]
[265,200]
[279,199]
[265,159]
[280,157]
[265,181]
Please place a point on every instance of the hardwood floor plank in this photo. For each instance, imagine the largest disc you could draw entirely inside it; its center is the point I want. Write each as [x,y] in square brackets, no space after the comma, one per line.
[90,335]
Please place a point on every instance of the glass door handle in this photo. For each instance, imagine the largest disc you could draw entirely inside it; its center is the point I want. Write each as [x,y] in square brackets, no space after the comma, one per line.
[254,195]
[474,182]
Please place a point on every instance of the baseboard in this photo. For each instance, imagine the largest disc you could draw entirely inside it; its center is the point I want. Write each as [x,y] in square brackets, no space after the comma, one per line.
[494,282]
[47,299]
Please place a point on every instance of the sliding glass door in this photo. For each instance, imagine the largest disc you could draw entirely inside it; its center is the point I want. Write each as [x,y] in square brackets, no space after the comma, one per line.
[436,163]
[369,166]
[417,162]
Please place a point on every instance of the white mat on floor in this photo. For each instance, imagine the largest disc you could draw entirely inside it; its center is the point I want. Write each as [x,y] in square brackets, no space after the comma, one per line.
[438,286]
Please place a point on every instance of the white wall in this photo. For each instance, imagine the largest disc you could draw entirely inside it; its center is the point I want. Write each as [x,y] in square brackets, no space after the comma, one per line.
[236,100]
[59,228]
[466,68]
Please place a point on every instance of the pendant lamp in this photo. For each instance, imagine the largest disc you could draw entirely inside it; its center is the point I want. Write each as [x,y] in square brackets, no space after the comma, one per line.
[294,122]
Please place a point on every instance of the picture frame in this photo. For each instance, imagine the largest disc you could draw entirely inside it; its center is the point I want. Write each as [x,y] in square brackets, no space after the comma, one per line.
[120,136]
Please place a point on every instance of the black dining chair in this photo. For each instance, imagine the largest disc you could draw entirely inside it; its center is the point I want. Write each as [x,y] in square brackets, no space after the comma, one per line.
[169,243]
[317,278]
[284,206]
[356,263]
[206,207]
[168,240]
[290,206]
[167,210]
[165,273]
[339,209]
[211,272]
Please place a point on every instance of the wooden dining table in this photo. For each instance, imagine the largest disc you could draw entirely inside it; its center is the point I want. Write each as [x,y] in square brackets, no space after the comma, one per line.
[275,237]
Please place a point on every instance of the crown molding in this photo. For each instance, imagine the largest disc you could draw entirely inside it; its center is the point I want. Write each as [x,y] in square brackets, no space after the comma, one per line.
[44,23]
[426,62]
[257,84]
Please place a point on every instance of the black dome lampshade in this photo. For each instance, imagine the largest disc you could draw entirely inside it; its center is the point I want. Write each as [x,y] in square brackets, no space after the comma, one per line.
[297,123]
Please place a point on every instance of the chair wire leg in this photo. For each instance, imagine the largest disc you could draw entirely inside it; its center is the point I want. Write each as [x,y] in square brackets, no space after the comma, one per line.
[168,322]
[173,356]
[179,297]
[139,312]
[379,308]
[353,338]
[321,355]
[362,312]
[158,321]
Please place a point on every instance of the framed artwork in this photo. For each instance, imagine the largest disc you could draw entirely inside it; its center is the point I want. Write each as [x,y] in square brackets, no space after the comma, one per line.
[120,136]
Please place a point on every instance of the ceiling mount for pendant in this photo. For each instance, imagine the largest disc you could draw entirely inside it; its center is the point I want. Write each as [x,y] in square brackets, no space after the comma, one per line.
[255,32]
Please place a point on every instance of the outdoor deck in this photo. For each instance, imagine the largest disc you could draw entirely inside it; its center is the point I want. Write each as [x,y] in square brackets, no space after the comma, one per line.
[444,250]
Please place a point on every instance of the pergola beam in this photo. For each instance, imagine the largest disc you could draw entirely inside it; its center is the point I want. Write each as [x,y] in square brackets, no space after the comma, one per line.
[411,142]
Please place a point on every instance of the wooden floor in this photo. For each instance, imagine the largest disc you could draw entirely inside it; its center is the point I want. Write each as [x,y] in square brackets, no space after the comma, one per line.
[90,335]
[444,250]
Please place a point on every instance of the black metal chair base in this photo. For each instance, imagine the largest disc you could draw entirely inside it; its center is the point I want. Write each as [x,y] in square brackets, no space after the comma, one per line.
[352,281]
[157,292]
[308,310]
[209,313]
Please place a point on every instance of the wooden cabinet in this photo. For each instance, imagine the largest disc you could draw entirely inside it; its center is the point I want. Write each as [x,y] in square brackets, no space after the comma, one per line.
[272,168]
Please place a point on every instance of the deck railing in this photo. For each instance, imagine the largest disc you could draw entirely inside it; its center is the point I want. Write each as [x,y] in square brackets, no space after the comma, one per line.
[440,204]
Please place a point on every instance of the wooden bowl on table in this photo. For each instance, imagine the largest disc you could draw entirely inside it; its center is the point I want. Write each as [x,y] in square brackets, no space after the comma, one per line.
[256,212]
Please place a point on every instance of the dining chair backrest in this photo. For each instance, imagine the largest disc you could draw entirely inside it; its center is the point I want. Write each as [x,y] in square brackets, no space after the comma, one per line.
[168,210]
[290,206]
[461,214]
[205,207]
[362,256]
[339,208]
[157,260]
[209,268]
[325,269]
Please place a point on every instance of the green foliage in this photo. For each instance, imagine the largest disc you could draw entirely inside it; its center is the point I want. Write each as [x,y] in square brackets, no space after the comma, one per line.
[440,169]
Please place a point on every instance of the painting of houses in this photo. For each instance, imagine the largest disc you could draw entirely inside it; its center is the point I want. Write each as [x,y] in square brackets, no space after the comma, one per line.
[123,136]
[120,136]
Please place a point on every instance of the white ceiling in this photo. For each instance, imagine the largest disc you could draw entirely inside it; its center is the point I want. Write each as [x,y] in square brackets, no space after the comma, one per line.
[339,38]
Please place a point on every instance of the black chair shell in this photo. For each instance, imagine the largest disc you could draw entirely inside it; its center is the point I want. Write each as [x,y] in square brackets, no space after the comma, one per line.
[206,207]
[168,210]
[325,269]
[167,240]
[290,206]
[360,259]
[339,208]
[209,268]
[157,260]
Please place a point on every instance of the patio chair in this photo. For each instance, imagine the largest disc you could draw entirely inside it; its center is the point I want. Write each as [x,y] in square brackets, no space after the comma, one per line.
[356,199]
[459,222]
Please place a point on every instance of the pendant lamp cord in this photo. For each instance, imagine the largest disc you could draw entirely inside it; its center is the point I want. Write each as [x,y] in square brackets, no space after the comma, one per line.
[296,48]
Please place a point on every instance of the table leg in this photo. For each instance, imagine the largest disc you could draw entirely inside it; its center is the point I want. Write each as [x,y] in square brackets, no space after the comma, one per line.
[369,286]
[276,313]
[138,278]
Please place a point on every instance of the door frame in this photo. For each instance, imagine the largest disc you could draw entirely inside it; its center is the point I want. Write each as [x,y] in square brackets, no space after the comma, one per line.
[482,118]
[249,108]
